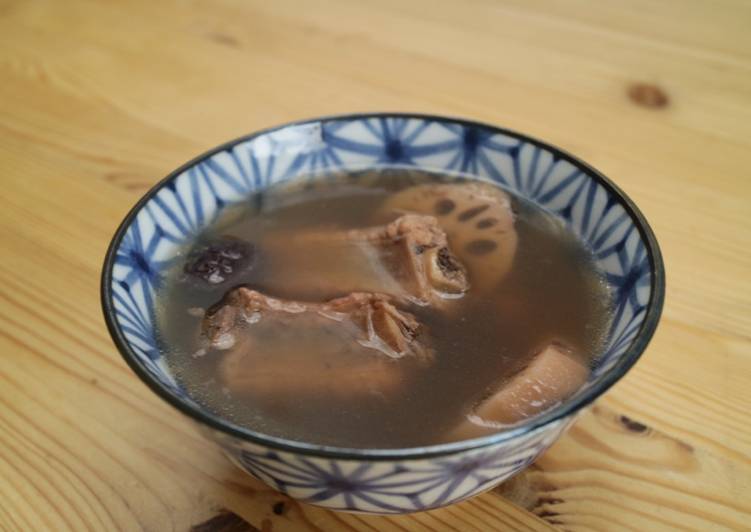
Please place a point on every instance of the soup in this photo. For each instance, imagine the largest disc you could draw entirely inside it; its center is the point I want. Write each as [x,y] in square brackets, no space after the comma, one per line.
[383,309]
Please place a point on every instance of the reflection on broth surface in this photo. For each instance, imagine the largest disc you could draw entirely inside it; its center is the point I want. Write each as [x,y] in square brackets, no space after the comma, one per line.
[384,309]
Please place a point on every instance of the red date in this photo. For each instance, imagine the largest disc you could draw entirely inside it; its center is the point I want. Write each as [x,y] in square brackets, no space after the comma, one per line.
[219,260]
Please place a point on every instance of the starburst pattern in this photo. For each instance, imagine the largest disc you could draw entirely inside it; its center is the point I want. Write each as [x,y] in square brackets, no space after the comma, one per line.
[391,487]
[194,199]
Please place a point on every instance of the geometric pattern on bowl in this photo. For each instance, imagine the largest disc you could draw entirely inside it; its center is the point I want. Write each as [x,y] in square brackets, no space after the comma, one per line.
[195,196]
[390,487]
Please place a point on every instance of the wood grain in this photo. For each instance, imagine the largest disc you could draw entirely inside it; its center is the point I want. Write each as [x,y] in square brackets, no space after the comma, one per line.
[99,100]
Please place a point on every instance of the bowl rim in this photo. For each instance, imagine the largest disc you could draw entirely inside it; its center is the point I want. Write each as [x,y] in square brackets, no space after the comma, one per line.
[567,408]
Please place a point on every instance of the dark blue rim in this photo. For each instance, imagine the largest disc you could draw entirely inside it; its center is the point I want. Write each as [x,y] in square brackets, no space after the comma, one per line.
[628,359]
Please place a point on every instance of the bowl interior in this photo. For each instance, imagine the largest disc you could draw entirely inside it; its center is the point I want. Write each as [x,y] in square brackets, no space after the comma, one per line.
[192,197]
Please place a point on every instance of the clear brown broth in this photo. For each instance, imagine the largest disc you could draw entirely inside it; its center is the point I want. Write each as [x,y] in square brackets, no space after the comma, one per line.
[553,291]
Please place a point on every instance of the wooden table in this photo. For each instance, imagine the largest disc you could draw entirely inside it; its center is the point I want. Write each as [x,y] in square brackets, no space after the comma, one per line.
[98,100]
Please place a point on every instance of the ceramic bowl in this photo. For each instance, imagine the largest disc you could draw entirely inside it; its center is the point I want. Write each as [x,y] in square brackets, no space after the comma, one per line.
[382,480]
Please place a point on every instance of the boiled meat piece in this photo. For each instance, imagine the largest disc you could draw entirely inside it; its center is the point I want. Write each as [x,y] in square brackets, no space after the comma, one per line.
[409,259]
[344,347]
[477,219]
[551,377]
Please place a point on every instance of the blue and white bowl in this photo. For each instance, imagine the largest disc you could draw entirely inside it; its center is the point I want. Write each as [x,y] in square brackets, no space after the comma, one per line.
[382,480]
